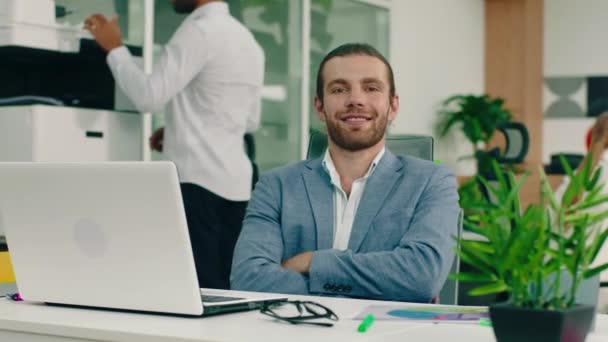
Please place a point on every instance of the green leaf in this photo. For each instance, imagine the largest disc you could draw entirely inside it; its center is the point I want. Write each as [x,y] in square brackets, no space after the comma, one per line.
[477,277]
[590,203]
[481,246]
[546,189]
[492,288]
[589,218]
[591,272]
[594,180]
[480,264]
[576,185]
[596,245]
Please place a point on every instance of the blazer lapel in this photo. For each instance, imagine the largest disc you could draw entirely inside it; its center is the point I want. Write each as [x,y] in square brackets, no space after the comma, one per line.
[377,189]
[320,195]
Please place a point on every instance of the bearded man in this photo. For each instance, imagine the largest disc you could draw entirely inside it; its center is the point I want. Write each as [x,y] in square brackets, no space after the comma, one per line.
[359,221]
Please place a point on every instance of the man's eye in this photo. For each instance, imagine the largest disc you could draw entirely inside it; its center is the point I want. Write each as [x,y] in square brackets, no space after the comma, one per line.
[338,90]
[373,89]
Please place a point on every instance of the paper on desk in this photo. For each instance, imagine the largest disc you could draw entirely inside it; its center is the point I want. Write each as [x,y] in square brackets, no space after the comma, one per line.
[426,313]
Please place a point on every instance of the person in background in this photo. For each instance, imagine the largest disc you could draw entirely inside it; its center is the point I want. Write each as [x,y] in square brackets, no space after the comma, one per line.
[596,142]
[208,81]
[359,221]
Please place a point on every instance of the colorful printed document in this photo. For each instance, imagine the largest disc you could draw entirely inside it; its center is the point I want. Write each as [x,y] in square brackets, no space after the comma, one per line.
[427,313]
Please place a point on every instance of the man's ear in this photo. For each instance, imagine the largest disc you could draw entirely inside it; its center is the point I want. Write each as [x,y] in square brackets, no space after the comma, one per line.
[319,109]
[393,108]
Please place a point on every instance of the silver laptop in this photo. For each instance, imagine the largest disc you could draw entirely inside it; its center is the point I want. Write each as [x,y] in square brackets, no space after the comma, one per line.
[107,235]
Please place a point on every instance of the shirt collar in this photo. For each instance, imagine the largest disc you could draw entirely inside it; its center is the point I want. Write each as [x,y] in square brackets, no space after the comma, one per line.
[211,8]
[330,168]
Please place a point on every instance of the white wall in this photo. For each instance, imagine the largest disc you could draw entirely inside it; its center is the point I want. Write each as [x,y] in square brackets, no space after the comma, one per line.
[575,37]
[575,45]
[437,50]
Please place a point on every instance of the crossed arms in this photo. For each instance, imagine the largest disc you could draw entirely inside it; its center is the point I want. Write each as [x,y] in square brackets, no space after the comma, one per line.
[413,269]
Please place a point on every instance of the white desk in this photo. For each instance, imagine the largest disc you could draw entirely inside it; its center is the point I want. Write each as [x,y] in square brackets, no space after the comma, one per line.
[32,322]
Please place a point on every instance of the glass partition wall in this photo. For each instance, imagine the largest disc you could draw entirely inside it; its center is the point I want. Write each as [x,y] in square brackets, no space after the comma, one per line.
[130,14]
[336,22]
[295,35]
[277,26]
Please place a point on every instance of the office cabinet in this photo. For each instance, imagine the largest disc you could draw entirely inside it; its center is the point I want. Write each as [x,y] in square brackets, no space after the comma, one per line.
[57,133]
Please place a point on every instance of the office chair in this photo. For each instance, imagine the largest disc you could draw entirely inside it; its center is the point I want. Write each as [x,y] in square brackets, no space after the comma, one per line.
[249,142]
[420,146]
[449,291]
[317,143]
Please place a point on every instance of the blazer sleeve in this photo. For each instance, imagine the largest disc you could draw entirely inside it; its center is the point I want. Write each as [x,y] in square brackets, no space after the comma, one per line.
[415,270]
[258,253]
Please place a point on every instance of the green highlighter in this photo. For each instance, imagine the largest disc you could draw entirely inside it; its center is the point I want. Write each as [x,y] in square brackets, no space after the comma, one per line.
[485,322]
[366,323]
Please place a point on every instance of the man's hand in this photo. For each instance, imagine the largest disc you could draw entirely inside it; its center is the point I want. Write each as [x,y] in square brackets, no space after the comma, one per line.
[106,32]
[156,139]
[299,263]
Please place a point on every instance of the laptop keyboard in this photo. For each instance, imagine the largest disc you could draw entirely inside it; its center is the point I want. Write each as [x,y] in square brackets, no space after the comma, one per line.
[217,299]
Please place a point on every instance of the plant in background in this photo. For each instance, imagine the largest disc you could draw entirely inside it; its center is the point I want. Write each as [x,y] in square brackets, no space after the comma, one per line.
[478,116]
[469,195]
[527,253]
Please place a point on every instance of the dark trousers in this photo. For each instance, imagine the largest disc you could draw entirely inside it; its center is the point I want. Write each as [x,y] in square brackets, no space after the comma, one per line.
[214,224]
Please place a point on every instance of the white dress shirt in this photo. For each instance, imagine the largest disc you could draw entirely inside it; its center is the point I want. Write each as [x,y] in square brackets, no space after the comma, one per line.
[210,78]
[345,206]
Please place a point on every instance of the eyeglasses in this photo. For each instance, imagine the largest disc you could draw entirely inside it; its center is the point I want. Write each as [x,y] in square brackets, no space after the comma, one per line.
[300,312]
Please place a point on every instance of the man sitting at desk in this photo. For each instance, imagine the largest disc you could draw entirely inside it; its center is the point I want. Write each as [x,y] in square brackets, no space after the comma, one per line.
[360,221]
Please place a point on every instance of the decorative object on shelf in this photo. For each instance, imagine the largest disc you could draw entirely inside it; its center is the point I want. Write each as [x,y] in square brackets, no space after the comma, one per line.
[477,116]
[539,255]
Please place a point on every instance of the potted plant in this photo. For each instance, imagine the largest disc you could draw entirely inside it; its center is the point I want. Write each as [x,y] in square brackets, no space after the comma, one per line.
[527,253]
[478,117]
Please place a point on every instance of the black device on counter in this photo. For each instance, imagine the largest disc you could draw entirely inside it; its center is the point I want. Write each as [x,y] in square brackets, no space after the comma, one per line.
[81,79]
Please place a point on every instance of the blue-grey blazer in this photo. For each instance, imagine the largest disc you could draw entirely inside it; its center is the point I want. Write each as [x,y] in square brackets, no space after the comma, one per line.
[401,245]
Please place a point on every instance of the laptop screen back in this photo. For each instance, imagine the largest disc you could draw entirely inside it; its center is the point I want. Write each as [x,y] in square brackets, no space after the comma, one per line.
[108,235]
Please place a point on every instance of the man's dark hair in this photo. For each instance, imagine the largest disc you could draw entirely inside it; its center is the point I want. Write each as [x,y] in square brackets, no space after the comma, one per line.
[352,49]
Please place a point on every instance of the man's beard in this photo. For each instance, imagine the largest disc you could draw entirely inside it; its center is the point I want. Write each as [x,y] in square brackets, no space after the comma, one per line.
[184,6]
[357,139]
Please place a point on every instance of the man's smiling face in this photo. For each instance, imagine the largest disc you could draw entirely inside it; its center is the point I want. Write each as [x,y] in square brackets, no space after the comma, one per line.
[356,105]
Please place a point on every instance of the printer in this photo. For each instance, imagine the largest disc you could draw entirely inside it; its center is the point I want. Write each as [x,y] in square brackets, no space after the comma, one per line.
[45,62]
[31,23]
[58,98]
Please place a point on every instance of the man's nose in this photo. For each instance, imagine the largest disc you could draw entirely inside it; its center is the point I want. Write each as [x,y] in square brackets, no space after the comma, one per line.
[356,97]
